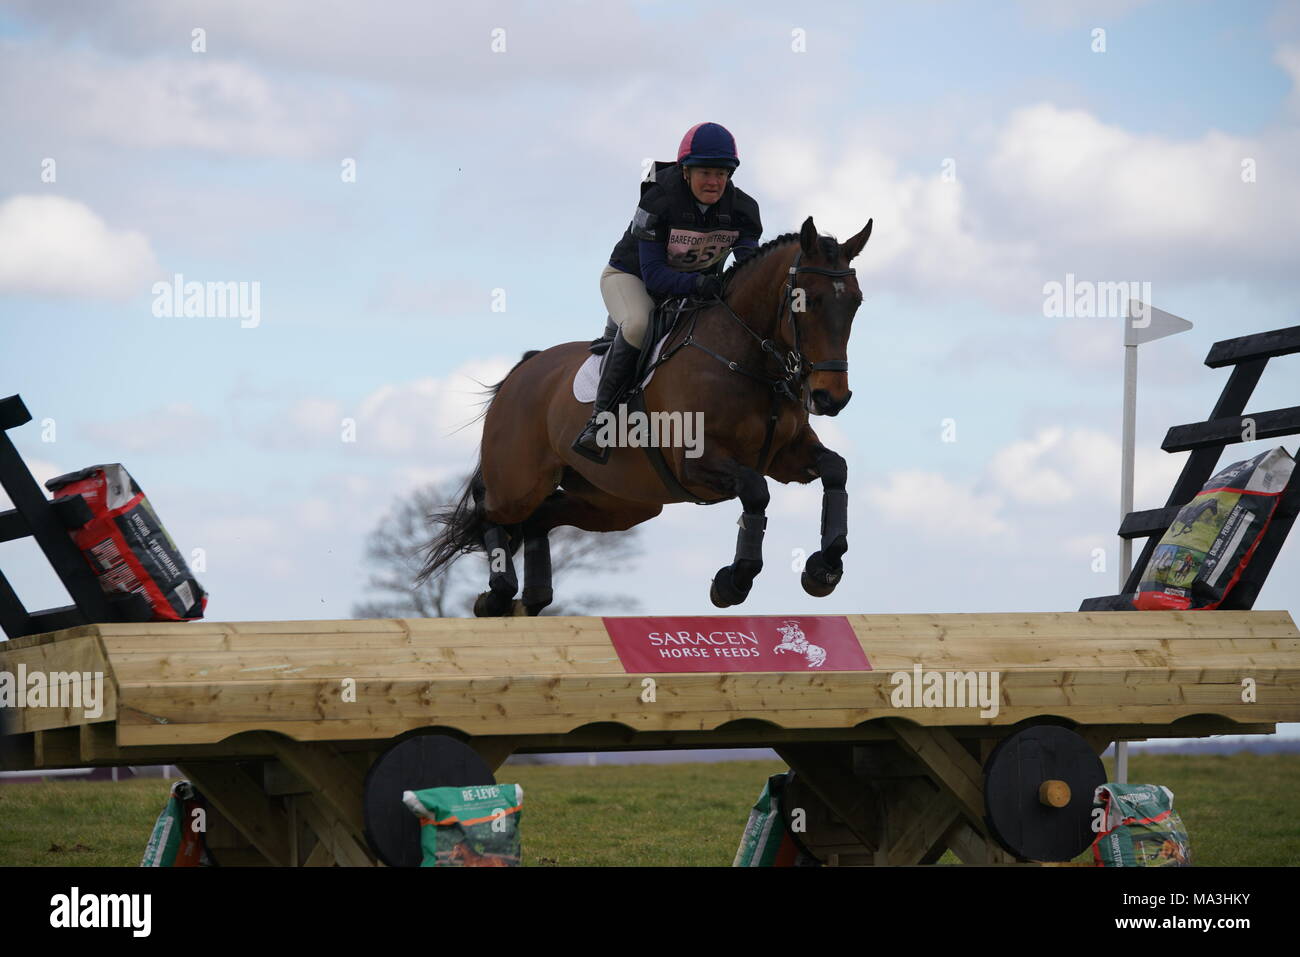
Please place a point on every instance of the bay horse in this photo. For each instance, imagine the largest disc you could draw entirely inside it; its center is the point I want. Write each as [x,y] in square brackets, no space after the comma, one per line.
[755,363]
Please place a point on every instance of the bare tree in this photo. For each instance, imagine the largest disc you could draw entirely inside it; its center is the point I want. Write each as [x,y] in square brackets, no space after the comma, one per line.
[394,553]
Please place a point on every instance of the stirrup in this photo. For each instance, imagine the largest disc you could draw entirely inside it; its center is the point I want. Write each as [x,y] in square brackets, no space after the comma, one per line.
[600,457]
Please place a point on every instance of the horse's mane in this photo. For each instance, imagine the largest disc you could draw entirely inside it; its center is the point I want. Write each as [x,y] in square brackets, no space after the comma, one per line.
[830,249]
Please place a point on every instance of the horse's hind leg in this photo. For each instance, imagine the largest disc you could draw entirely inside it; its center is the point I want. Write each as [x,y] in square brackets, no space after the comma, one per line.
[583,507]
[732,583]
[537,566]
[498,600]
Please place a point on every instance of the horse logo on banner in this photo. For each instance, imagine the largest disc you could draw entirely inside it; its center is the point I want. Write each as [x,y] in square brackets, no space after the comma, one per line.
[793,639]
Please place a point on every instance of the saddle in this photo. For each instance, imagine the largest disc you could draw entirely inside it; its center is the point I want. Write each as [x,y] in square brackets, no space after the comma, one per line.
[664,321]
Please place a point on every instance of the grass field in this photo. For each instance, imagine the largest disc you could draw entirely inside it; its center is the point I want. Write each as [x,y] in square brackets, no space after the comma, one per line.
[1239,809]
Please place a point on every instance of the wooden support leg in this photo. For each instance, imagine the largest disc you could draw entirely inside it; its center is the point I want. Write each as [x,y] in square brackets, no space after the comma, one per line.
[828,770]
[972,847]
[948,763]
[238,796]
[494,749]
[335,782]
[334,835]
[918,817]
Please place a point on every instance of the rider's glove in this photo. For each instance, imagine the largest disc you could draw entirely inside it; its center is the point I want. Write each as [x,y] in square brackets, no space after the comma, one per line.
[708,286]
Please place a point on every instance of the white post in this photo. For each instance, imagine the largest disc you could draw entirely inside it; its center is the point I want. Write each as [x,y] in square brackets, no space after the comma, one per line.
[1128,441]
[1143,324]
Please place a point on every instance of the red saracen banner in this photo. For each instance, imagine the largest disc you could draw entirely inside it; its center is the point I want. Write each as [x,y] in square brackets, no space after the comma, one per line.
[732,643]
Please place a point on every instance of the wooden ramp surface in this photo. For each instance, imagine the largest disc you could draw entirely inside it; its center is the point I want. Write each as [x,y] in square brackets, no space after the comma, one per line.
[170,688]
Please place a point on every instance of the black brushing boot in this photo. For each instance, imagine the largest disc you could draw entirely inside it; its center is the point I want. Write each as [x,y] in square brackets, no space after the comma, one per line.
[620,364]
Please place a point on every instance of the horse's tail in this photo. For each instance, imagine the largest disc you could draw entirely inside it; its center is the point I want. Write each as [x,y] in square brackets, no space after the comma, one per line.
[463,523]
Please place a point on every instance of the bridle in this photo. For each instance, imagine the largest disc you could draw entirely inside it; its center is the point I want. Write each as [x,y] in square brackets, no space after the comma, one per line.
[793,383]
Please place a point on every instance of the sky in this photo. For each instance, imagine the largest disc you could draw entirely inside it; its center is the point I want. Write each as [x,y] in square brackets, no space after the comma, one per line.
[391,175]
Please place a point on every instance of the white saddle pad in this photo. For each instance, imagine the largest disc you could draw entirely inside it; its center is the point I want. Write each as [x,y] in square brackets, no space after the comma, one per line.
[588,377]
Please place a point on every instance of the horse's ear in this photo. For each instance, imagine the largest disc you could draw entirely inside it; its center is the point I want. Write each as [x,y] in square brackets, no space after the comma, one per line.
[854,245]
[808,237]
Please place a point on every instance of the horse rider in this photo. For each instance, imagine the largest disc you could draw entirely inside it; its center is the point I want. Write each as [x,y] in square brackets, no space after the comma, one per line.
[686,223]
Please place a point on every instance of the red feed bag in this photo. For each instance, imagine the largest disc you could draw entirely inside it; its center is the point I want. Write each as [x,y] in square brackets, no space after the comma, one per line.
[126,545]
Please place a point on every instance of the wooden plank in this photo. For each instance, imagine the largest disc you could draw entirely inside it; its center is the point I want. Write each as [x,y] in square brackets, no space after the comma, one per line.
[160,666]
[1260,345]
[383,727]
[508,633]
[240,798]
[58,662]
[527,704]
[1214,434]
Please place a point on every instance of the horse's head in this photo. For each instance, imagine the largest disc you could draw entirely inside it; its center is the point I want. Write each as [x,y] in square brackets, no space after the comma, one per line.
[820,317]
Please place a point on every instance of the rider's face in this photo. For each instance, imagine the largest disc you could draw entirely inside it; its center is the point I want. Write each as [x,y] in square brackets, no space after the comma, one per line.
[707,182]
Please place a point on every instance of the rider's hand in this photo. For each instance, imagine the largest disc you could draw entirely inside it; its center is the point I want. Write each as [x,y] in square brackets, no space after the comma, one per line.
[708,286]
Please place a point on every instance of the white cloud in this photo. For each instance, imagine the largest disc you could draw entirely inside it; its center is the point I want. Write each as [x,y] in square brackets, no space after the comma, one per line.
[53,246]
[1022,482]
[930,504]
[187,101]
[431,415]
[1067,14]
[178,425]
[1059,465]
[1019,471]
[1054,190]
[923,238]
[431,419]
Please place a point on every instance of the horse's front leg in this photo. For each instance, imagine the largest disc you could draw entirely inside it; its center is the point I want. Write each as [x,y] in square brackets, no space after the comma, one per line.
[825,567]
[732,583]
[802,460]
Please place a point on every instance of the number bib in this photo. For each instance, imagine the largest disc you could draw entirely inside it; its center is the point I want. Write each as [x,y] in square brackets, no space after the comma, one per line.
[691,250]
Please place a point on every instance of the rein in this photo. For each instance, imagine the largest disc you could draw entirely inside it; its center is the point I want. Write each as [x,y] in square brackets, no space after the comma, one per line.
[795,366]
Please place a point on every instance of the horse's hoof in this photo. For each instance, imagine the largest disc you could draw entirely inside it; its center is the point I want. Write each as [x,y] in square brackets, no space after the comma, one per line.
[819,578]
[723,592]
[536,599]
[491,604]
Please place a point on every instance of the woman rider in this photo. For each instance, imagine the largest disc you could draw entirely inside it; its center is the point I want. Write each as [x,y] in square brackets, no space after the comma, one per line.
[679,237]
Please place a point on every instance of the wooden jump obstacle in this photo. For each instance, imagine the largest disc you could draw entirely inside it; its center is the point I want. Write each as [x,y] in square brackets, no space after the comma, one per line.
[279,723]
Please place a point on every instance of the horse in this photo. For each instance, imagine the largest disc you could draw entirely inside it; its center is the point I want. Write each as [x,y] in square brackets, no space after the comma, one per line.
[754,364]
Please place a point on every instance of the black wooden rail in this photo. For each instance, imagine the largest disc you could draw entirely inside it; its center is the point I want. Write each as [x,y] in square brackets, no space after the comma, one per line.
[48,522]
[1248,355]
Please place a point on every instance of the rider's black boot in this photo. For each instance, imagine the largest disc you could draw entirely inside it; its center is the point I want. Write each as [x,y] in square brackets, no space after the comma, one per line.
[620,364]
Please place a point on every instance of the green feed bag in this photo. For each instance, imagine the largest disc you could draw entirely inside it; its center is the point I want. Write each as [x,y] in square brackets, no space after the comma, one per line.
[177,840]
[474,826]
[765,841]
[1139,827]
